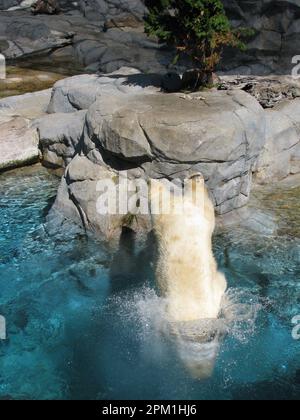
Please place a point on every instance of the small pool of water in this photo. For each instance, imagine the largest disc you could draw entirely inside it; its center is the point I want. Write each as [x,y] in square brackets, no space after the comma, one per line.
[83,324]
[25,80]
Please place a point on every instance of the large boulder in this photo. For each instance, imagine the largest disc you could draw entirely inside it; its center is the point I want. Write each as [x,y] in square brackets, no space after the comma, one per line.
[143,133]
[18,143]
[220,134]
[108,126]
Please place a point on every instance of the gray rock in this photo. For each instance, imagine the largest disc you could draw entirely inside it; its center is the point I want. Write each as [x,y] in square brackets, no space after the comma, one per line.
[80,92]
[73,42]
[161,135]
[276,39]
[12,5]
[80,185]
[104,10]
[77,201]
[60,135]
[276,25]
[181,128]
[280,156]
[108,34]
[6,4]
[19,140]
[25,35]
[251,218]
[73,94]
[30,105]
[291,109]
[137,130]
[18,143]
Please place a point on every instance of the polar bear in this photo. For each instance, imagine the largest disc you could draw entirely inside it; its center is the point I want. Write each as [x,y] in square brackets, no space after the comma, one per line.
[186,270]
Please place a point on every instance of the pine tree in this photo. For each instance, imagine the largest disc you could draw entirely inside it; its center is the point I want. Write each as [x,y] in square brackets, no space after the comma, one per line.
[197,28]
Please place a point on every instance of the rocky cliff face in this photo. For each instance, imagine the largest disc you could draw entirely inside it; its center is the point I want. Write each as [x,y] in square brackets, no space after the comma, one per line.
[108,34]
[6,4]
[104,10]
[276,24]
[277,39]
[72,42]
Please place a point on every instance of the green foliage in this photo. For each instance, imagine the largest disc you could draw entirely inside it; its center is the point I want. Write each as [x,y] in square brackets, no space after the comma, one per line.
[198,28]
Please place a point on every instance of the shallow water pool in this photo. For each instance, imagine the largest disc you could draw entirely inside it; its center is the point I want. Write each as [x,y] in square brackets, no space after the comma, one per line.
[83,324]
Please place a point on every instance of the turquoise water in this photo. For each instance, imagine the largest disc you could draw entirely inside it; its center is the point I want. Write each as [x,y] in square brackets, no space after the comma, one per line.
[84,324]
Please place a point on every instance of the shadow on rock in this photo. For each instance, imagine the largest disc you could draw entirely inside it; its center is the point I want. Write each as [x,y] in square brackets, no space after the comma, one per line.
[131,263]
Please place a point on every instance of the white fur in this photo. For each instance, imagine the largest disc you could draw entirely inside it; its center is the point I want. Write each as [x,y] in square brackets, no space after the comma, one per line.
[186,269]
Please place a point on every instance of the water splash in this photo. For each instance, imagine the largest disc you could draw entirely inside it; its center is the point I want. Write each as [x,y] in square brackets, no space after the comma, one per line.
[198,342]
